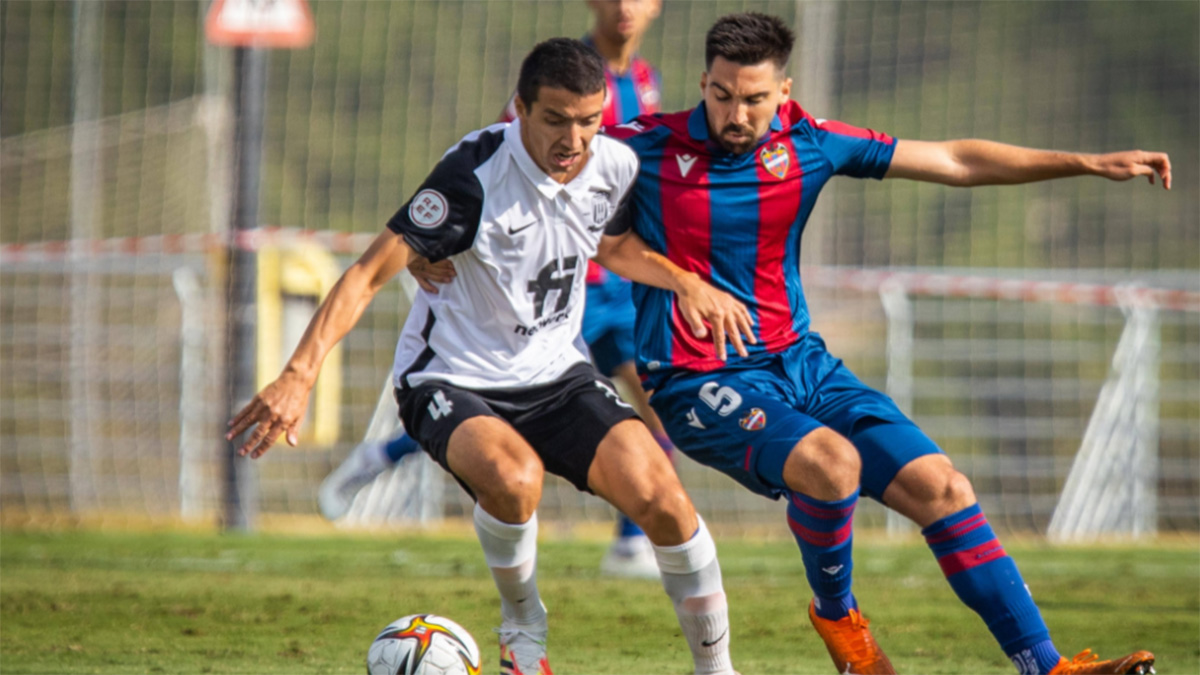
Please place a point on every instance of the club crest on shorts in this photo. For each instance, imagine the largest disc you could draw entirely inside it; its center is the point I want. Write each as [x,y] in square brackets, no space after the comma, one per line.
[776,160]
[428,209]
[754,420]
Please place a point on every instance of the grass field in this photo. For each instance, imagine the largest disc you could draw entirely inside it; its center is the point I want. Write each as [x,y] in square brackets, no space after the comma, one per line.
[90,602]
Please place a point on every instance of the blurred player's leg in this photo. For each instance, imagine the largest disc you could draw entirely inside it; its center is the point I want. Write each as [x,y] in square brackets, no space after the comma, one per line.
[361,466]
[383,444]
[653,497]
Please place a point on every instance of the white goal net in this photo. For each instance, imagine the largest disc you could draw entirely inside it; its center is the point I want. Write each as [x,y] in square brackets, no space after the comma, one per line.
[1072,415]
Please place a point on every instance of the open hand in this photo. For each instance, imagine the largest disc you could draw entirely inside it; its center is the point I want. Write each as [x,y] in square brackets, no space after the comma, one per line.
[277,409]
[701,304]
[1133,163]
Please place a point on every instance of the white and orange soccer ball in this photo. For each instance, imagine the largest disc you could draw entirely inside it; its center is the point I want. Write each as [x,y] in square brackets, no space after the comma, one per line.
[423,644]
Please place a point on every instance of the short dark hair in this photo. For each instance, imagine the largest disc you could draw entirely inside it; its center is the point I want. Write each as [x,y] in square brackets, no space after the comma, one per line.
[749,38]
[561,63]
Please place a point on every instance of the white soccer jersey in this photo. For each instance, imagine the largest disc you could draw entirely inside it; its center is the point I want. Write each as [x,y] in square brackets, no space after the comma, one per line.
[520,243]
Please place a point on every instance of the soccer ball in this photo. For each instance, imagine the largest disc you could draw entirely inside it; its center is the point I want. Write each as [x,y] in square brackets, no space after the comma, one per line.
[423,644]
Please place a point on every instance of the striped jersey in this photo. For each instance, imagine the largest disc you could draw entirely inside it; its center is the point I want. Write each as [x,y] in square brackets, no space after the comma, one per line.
[520,242]
[735,220]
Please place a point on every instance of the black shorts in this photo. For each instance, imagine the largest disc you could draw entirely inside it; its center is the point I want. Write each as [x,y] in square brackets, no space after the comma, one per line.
[563,420]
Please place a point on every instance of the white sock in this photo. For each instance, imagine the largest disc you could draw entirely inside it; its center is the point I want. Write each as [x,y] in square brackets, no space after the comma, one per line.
[691,576]
[511,554]
[376,458]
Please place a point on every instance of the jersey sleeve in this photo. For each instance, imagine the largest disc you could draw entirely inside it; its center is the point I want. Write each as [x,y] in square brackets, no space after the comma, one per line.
[442,218]
[622,220]
[854,151]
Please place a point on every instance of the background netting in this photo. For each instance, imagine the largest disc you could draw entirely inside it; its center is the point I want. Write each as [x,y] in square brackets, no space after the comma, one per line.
[110,357]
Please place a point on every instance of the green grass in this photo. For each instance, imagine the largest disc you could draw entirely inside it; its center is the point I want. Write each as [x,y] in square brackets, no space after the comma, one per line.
[88,602]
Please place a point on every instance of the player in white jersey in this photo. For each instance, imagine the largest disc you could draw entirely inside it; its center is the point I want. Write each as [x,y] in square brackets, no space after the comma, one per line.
[491,375]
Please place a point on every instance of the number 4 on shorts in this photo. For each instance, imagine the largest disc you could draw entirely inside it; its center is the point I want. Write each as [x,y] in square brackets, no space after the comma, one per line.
[440,406]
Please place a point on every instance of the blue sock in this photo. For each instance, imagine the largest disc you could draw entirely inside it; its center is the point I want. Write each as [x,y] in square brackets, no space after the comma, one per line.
[825,534]
[627,528]
[400,446]
[986,580]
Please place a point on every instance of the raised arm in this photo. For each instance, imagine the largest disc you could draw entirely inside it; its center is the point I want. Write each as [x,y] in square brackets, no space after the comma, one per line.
[280,406]
[968,162]
[627,255]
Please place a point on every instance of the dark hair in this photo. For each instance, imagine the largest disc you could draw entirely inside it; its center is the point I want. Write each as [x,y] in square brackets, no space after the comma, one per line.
[749,38]
[561,63]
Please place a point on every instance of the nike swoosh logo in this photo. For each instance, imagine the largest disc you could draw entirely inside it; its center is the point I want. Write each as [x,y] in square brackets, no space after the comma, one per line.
[706,643]
[526,226]
[597,228]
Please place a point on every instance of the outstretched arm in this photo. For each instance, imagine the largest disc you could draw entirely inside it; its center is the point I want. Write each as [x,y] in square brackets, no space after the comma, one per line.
[969,162]
[628,255]
[280,406]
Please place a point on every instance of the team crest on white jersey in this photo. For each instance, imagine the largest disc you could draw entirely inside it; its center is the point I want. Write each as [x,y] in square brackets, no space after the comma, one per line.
[600,210]
[428,209]
[776,160]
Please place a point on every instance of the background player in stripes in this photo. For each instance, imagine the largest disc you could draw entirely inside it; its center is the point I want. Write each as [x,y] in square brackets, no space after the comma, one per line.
[633,88]
[491,377]
[724,191]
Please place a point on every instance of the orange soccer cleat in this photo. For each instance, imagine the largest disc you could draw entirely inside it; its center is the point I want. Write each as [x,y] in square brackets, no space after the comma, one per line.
[851,645]
[1086,661]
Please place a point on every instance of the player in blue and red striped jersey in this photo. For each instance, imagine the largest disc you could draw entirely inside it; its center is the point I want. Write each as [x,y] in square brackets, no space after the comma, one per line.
[724,192]
[633,88]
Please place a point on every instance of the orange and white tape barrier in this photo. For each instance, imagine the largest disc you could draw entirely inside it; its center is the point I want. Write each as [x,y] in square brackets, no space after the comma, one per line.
[866,280]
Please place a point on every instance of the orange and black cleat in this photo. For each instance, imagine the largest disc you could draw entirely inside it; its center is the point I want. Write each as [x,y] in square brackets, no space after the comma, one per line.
[851,645]
[1086,661]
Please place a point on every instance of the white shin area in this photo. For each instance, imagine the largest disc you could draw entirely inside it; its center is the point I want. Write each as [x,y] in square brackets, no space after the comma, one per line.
[511,554]
[691,576]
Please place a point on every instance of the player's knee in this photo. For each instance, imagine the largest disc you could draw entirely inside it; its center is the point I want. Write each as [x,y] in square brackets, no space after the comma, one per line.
[955,491]
[937,487]
[667,516]
[514,490]
[823,465]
